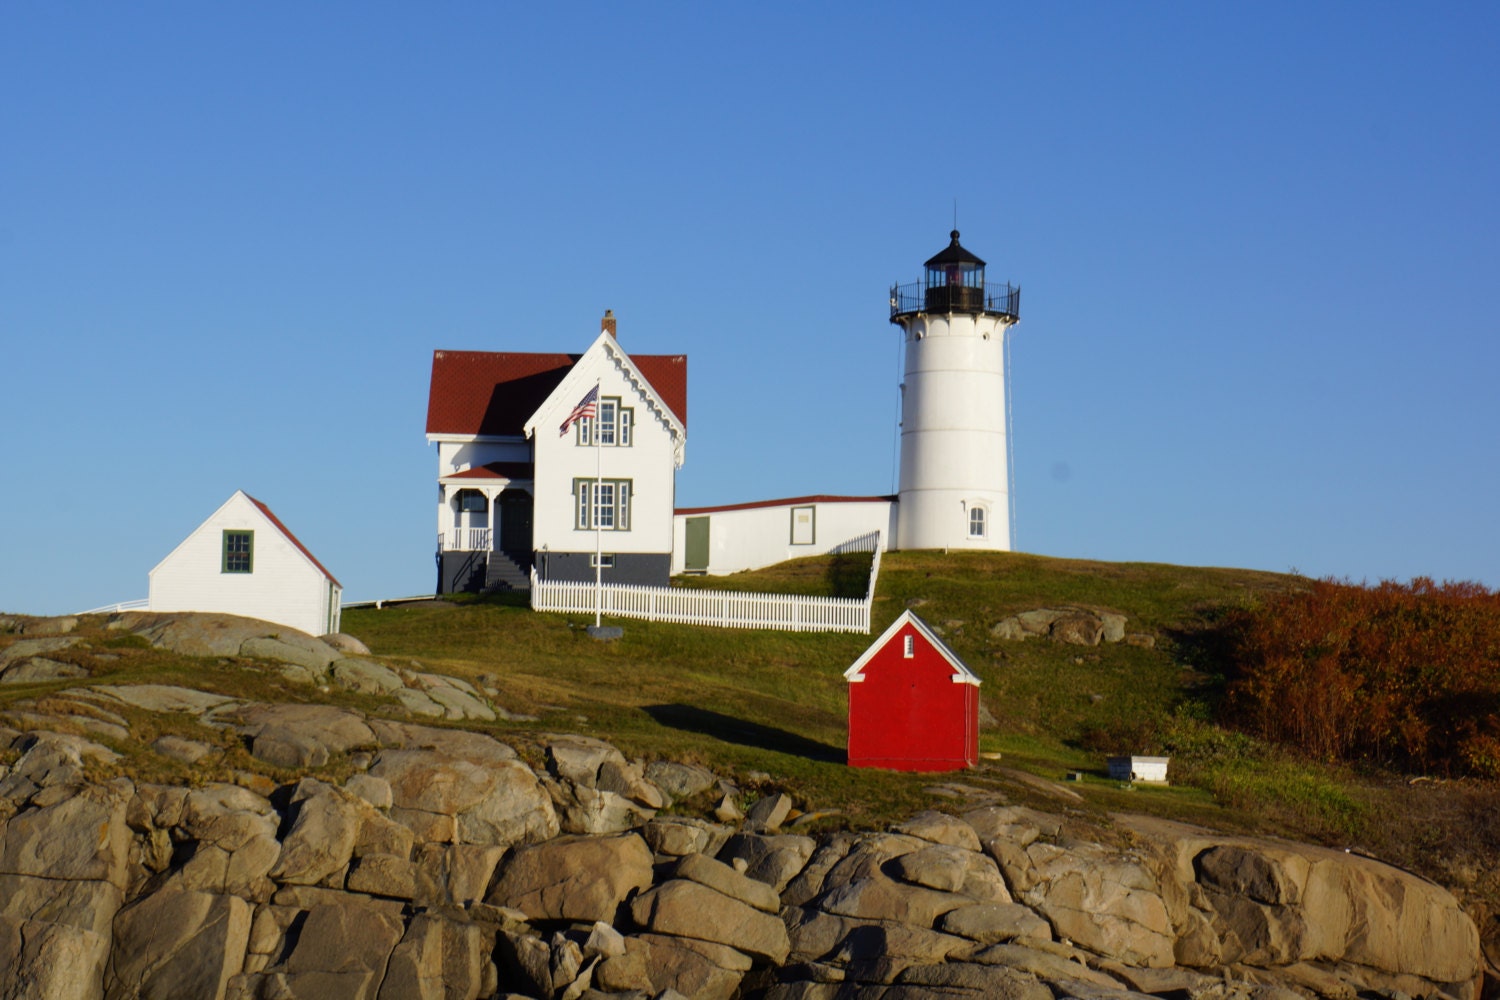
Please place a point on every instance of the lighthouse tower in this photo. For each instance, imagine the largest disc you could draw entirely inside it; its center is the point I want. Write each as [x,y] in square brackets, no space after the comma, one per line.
[955,468]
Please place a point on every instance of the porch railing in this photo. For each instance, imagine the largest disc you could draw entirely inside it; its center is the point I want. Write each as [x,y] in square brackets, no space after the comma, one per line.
[464,540]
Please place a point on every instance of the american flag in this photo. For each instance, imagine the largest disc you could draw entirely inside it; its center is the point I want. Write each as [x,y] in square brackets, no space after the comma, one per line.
[583,411]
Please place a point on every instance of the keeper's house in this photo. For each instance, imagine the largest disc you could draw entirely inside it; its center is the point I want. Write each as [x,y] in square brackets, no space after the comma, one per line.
[244,561]
[913,705]
[533,470]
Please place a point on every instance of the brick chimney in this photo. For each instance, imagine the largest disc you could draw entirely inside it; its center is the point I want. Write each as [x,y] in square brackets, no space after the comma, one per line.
[607,324]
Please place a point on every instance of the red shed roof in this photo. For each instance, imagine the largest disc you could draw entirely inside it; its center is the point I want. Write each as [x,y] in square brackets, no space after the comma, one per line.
[961,673]
[494,393]
[292,538]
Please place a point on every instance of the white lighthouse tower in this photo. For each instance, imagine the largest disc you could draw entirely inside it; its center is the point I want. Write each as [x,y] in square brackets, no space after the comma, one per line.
[955,467]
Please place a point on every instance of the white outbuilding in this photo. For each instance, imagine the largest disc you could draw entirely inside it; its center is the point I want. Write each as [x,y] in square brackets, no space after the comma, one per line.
[244,561]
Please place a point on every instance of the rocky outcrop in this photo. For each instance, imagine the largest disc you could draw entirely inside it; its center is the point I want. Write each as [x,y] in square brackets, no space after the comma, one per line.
[1071,624]
[378,858]
[441,870]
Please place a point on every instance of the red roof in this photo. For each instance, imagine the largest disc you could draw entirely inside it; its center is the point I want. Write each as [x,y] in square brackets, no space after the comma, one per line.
[497,470]
[790,501]
[292,538]
[492,393]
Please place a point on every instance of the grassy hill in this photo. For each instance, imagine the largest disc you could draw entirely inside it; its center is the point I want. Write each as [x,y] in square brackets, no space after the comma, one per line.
[769,708]
[753,703]
[775,703]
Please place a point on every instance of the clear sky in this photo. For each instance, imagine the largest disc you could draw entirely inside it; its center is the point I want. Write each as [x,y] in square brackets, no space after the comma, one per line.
[1258,246]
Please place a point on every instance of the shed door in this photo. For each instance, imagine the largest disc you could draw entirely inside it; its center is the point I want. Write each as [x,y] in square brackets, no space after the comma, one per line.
[695,559]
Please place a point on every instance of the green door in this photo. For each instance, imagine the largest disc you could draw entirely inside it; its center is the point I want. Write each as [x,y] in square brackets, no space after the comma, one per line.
[695,559]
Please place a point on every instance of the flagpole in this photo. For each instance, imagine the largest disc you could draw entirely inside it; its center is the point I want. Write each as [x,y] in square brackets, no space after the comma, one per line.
[598,536]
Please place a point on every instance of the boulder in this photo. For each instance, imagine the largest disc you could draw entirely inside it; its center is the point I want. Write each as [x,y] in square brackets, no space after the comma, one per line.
[578,758]
[321,841]
[51,961]
[693,968]
[573,878]
[971,979]
[1109,903]
[365,676]
[583,809]
[345,643]
[772,859]
[952,869]
[383,875]
[25,649]
[162,698]
[681,781]
[82,836]
[1078,629]
[38,669]
[440,959]
[236,845]
[769,812]
[59,625]
[683,908]
[309,660]
[880,898]
[722,878]
[939,828]
[477,748]
[178,944]
[1272,902]
[456,874]
[993,923]
[342,950]
[679,835]
[498,801]
[629,779]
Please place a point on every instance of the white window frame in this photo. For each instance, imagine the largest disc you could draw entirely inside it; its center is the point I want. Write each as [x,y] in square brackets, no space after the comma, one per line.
[979,517]
[612,426]
[908,646]
[589,508]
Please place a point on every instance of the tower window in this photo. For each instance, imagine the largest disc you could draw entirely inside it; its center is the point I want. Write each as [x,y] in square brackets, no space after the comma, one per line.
[976,522]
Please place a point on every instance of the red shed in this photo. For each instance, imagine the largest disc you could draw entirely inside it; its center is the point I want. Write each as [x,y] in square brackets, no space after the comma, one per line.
[913,705]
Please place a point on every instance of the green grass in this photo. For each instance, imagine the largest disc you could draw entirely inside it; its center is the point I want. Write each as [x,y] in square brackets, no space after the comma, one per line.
[749,702]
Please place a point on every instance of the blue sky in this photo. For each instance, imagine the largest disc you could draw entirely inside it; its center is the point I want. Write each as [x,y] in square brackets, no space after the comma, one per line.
[1258,247]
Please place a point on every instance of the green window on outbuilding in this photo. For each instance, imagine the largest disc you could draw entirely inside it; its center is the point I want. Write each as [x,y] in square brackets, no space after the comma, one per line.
[239,552]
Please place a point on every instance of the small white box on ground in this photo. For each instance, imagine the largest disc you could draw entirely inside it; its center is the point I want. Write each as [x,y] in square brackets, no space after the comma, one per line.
[1133,768]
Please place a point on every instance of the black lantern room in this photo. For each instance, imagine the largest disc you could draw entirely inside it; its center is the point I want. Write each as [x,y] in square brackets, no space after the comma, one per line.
[954,283]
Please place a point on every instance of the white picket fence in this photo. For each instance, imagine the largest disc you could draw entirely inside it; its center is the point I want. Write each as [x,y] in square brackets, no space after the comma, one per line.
[724,608]
[140,605]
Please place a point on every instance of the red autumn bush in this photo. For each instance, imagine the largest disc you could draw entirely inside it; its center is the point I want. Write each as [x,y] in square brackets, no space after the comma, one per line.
[1400,674]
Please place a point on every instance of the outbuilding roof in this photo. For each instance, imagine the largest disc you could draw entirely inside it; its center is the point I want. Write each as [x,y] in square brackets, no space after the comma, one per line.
[961,673]
[494,393]
[276,521]
[788,502]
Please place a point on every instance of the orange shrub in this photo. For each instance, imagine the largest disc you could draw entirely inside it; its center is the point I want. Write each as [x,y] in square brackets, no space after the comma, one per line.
[1401,674]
